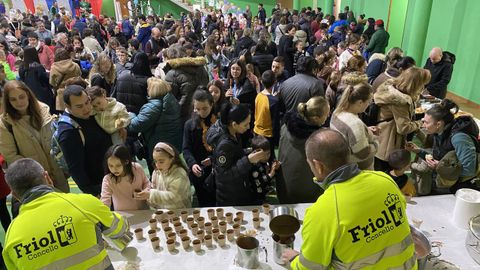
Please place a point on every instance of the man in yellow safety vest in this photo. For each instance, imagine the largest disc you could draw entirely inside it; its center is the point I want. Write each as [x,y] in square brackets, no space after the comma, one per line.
[359,222]
[56,230]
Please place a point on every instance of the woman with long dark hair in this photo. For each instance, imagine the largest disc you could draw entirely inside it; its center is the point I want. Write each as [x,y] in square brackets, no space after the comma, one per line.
[34,75]
[196,150]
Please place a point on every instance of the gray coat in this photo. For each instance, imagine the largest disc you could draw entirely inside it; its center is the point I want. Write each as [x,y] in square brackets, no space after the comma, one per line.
[294,181]
[300,88]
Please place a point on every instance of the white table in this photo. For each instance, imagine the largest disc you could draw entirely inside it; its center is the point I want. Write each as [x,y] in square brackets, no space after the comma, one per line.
[435,211]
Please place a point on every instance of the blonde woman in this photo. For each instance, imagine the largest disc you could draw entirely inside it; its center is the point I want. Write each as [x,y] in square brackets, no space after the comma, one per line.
[396,99]
[294,184]
[25,130]
[103,73]
[355,100]
[159,119]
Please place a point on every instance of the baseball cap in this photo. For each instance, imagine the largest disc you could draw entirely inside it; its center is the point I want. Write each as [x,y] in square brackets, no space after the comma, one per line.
[379,22]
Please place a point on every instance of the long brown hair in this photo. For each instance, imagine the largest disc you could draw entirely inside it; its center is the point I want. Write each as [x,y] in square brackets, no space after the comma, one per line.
[412,81]
[110,75]
[33,105]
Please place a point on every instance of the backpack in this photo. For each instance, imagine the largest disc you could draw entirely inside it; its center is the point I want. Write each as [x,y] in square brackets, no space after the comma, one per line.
[370,116]
[56,150]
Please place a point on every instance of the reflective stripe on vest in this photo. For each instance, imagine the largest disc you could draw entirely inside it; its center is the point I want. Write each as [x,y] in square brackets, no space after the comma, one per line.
[121,232]
[373,259]
[114,225]
[80,258]
[309,264]
[407,265]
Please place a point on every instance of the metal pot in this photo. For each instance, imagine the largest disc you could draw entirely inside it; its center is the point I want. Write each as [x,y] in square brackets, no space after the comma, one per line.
[423,246]
[284,221]
[472,242]
[280,245]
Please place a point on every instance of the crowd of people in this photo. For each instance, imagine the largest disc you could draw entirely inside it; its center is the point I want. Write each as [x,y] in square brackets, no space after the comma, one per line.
[208,98]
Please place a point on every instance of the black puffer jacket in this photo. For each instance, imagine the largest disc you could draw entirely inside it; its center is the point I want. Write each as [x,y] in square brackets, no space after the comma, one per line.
[231,168]
[264,61]
[131,90]
[185,75]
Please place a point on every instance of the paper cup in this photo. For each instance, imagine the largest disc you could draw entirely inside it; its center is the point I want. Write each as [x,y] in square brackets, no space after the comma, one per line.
[171,214]
[194,228]
[215,233]
[210,213]
[186,242]
[164,223]
[167,230]
[214,221]
[221,240]
[236,229]
[201,222]
[139,233]
[256,213]
[196,214]
[208,227]
[159,215]
[229,217]
[172,236]
[222,226]
[152,233]
[256,223]
[155,242]
[467,205]
[231,235]
[208,240]
[153,223]
[184,215]
[197,245]
[240,215]
[190,221]
[201,234]
[171,245]
[266,208]
[220,213]
[183,233]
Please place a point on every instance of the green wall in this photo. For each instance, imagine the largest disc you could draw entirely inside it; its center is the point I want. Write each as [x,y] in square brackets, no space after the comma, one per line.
[396,22]
[371,8]
[162,7]
[268,5]
[452,27]
[108,8]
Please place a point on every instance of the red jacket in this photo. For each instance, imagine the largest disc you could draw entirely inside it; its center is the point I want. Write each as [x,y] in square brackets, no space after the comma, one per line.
[46,56]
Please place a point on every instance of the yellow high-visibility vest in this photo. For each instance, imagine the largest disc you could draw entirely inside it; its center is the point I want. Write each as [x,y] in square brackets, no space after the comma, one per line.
[61,231]
[359,223]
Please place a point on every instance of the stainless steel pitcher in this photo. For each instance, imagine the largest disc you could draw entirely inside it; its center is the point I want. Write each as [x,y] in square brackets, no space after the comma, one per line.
[279,247]
[247,254]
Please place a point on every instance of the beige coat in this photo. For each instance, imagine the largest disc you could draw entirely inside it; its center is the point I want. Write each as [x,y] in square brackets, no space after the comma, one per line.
[29,146]
[400,108]
[171,190]
[62,71]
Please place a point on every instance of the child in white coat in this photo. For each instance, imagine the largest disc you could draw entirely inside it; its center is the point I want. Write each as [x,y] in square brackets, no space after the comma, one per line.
[170,183]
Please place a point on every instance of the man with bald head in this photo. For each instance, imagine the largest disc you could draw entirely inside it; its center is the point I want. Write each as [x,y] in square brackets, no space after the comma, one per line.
[440,65]
[154,46]
[359,221]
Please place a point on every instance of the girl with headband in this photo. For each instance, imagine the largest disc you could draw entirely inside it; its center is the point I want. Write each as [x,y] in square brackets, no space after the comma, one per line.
[170,183]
